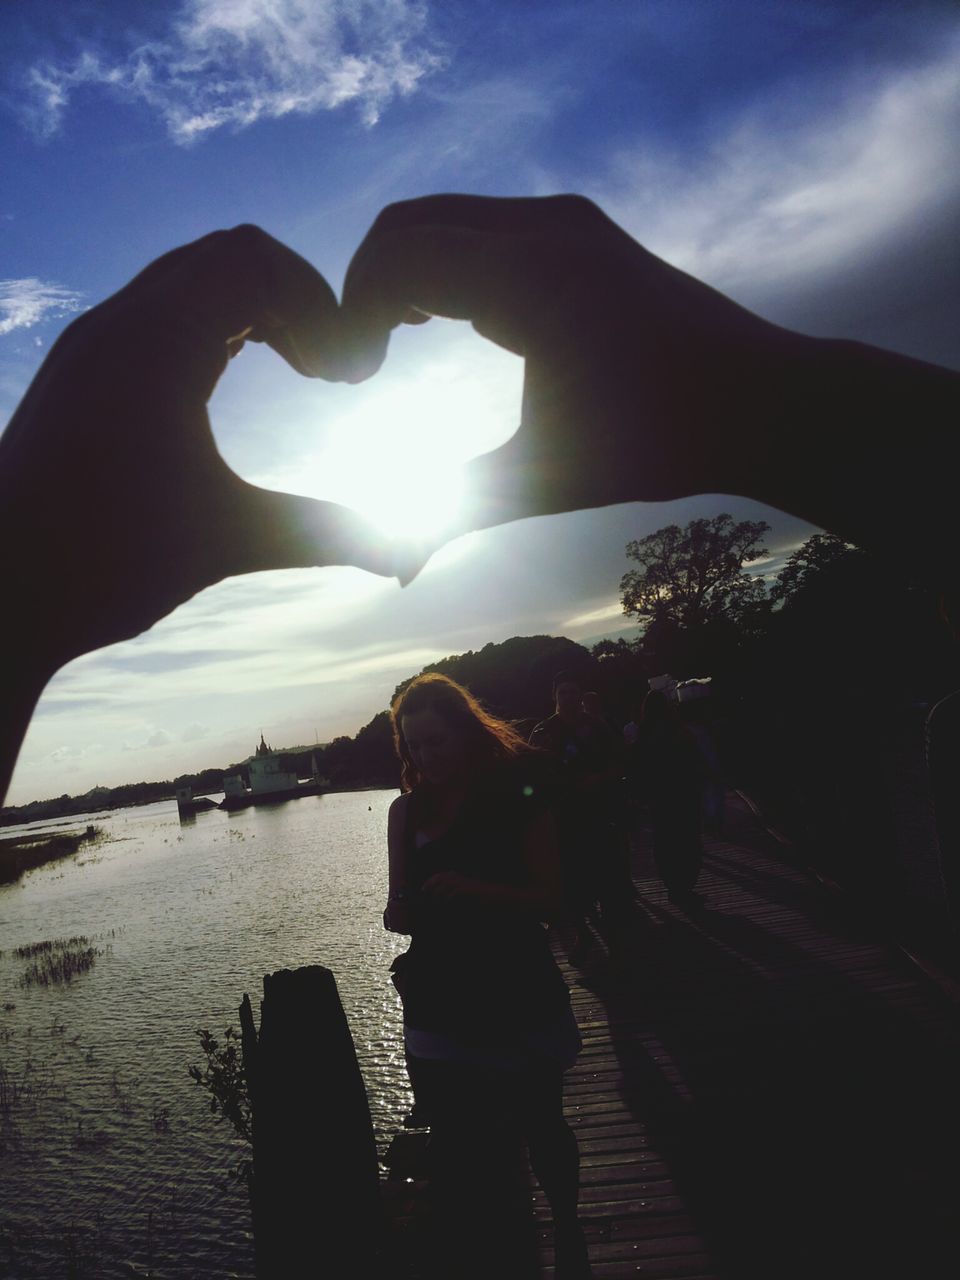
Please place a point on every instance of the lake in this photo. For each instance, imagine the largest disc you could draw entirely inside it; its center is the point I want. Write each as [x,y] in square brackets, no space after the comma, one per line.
[110,1160]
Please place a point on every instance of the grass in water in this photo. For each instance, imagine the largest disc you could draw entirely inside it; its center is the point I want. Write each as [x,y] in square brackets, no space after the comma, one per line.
[57,961]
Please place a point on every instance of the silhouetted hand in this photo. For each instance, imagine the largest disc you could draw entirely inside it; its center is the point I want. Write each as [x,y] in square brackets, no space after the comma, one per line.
[115,505]
[111,486]
[629,363]
[642,383]
[398,917]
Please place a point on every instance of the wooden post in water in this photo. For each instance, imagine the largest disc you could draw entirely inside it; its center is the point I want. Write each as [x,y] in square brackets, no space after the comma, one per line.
[316,1187]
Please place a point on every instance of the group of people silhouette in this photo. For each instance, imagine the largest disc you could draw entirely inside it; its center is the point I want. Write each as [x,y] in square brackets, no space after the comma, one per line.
[641,383]
[493,839]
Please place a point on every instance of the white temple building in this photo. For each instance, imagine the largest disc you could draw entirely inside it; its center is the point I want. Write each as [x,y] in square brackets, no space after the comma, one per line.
[268,776]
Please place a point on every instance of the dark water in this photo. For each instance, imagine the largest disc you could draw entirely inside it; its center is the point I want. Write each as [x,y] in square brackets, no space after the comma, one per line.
[110,1161]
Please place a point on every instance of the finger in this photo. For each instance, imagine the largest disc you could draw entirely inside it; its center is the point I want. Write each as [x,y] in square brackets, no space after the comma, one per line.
[544,471]
[503,214]
[491,279]
[501,263]
[509,483]
[238,284]
[433,256]
[269,530]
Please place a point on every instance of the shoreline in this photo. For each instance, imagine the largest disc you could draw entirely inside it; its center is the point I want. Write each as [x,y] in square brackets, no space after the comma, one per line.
[62,819]
[19,854]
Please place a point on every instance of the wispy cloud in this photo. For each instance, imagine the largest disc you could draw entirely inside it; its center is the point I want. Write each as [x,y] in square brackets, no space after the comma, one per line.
[795,190]
[270,638]
[24,303]
[158,738]
[233,62]
[69,753]
[593,617]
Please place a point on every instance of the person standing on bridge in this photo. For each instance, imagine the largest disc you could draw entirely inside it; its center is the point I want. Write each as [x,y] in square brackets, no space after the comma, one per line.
[488,1027]
[674,776]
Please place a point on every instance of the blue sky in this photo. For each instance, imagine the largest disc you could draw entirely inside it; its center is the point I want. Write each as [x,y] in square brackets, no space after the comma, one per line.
[802,157]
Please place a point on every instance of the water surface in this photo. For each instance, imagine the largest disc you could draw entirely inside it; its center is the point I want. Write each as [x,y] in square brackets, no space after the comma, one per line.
[110,1160]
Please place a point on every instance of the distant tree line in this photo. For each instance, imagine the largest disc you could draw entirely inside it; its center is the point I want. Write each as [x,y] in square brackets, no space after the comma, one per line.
[128,793]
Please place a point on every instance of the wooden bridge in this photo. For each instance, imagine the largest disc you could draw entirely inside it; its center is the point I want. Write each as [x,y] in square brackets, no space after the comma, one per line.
[769,1088]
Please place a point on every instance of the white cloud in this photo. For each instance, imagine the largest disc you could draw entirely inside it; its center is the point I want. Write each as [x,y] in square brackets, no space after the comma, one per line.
[606,613]
[159,738]
[233,62]
[266,633]
[67,758]
[801,186]
[24,303]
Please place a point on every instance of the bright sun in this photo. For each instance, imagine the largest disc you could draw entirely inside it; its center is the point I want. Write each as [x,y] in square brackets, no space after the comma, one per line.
[396,450]
[408,488]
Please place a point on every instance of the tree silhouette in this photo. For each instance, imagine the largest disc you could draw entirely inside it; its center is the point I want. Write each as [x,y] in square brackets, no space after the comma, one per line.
[694,575]
[807,562]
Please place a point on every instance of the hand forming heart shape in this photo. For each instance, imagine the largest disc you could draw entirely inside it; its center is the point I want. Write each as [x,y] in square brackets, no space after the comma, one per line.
[140,510]
[640,383]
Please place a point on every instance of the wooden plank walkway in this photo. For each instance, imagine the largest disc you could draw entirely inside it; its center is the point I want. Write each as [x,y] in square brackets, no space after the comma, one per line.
[767,1088]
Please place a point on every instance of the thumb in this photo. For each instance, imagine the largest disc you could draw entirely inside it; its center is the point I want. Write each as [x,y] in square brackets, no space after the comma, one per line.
[273,530]
[520,479]
[568,453]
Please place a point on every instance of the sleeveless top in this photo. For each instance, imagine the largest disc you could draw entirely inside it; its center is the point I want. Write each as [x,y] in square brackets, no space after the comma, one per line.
[472,969]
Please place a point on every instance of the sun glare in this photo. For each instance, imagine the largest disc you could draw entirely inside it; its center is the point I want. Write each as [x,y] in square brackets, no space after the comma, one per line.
[398,453]
[406,491]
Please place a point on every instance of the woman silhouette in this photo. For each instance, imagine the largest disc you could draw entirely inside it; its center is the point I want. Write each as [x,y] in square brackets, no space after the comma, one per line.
[488,1027]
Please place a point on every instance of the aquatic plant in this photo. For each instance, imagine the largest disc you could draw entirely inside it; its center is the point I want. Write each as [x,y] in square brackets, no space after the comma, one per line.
[82,1249]
[9,1090]
[223,1077]
[57,961]
[24,1090]
[123,1092]
[44,948]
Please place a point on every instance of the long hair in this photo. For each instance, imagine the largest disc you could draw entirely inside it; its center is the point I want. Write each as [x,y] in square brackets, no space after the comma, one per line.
[489,740]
